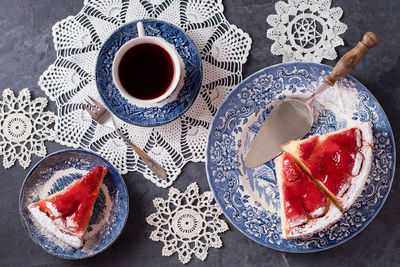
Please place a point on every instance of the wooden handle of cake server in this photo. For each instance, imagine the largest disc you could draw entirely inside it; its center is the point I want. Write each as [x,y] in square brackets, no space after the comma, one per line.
[348,62]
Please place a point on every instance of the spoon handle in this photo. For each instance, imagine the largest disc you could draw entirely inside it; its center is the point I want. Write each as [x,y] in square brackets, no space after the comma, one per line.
[348,62]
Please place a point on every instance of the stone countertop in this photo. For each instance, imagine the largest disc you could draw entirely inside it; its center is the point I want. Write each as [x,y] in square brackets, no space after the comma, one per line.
[26,50]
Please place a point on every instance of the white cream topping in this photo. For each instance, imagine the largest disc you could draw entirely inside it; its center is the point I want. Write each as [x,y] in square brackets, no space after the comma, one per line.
[71,221]
[358,137]
[358,160]
[362,164]
[343,188]
[53,209]
[316,225]
[53,227]
[300,220]
[318,212]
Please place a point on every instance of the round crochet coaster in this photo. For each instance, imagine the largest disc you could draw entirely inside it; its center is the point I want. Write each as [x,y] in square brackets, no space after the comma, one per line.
[24,127]
[187,223]
[305,30]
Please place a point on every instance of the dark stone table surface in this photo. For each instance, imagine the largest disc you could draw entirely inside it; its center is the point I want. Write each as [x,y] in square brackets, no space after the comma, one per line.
[26,50]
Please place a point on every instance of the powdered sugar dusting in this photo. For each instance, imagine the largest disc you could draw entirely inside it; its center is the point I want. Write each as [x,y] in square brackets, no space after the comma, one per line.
[297,221]
[43,191]
[316,225]
[49,226]
[358,182]
[318,212]
[357,164]
[342,99]
[71,222]
[53,209]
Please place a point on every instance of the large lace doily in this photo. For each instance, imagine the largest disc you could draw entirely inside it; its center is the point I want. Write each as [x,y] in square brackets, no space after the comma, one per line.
[24,127]
[77,39]
[306,30]
[187,223]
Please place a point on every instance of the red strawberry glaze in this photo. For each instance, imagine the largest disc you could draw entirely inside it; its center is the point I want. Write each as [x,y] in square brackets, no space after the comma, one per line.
[331,160]
[76,201]
[307,147]
[302,198]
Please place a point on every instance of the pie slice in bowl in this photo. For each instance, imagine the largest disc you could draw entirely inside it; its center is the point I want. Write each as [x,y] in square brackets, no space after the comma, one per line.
[66,214]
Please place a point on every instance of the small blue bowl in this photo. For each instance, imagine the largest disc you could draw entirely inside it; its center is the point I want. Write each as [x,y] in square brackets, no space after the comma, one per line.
[57,171]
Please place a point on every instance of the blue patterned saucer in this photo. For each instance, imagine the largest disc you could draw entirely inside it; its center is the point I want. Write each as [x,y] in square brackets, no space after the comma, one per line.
[249,198]
[57,171]
[169,109]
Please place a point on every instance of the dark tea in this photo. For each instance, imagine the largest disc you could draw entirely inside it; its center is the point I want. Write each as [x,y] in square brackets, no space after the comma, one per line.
[146,71]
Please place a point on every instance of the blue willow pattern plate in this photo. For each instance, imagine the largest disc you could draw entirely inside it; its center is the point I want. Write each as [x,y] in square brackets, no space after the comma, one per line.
[170,109]
[250,197]
[54,173]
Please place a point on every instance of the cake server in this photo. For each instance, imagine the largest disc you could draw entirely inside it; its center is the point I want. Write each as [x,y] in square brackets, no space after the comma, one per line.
[293,117]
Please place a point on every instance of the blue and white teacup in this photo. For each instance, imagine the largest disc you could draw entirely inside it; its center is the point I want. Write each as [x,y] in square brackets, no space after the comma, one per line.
[142,72]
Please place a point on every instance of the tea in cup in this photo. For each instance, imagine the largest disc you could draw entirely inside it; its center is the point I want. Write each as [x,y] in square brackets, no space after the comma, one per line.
[146,69]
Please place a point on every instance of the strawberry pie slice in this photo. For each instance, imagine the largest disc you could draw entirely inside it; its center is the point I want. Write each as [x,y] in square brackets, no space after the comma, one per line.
[320,176]
[66,214]
[305,209]
[339,162]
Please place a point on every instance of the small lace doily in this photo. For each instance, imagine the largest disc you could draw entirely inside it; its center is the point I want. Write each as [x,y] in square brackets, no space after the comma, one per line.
[24,127]
[306,30]
[187,223]
[223,50]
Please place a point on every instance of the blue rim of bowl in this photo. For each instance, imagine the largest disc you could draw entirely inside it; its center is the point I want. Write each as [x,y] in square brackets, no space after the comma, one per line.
[220,203]
[21,196]
[196,75]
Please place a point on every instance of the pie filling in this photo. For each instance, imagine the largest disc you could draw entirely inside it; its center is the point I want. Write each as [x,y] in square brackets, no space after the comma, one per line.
[302,198]
[334,159]
[321,172]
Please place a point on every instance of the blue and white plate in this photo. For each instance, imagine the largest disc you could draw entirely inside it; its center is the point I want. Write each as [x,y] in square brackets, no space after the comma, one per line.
[172,107]
[250,197]
[54,173]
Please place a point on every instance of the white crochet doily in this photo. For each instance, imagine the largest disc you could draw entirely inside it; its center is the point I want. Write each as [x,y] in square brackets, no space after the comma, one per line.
[306,30]
[70,79]
[187,223]
[24,126]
